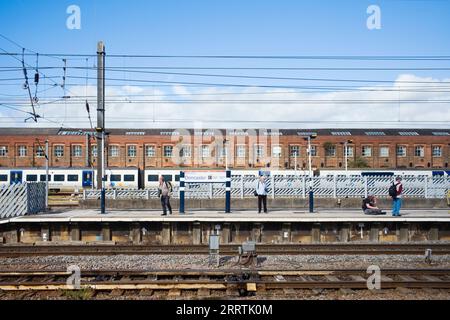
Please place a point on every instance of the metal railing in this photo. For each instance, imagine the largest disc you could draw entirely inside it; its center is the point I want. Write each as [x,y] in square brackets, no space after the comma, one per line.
[297,187]
[22,198]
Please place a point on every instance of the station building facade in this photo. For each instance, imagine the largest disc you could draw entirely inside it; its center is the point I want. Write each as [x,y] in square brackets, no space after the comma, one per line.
[237,148]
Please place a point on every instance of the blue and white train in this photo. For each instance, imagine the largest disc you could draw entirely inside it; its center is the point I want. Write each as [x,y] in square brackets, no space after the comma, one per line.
[71,179]
[77,179]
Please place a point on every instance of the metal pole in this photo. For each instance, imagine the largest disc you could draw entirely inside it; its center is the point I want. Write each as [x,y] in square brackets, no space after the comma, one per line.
[311,195]
[87,149]
[295,163]
[228,192]
[345,157]
[226,157]
[46,174]
[181,190]
[101,121]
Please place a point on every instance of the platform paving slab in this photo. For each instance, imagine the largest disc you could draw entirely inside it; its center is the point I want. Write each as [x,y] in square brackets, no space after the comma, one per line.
[348,215]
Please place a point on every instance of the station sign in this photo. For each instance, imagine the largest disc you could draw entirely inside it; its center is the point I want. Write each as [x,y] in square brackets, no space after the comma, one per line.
[205,176]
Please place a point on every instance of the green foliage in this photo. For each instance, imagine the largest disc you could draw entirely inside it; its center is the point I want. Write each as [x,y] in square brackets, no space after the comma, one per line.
[359,162]
[79,294]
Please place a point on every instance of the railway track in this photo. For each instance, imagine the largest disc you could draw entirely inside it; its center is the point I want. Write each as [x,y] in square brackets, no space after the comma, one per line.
[227,249]
[231,282]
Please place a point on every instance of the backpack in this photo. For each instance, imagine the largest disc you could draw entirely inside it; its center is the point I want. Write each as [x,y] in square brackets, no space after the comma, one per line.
[393,190]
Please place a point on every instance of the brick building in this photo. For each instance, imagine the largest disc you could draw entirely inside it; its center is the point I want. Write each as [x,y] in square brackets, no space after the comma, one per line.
[240,149]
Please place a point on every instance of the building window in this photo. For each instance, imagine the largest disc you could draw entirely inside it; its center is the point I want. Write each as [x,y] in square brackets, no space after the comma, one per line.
[186,151]
[150,151]
[240,151]
[114,151]
[94,151]
[22,151]
[349,151]
[313,151]
[3,151]
[294,151]
[76,151]
[168,151]
[384,152]
[419,151]
[330,151]
[401,151]
[40,152]
[276,151]
[204,151]
[132,151]
[58,151]
[366,151]
[437,151]
[259,150]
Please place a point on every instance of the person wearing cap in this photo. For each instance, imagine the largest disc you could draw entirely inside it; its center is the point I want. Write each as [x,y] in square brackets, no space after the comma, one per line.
[397,199]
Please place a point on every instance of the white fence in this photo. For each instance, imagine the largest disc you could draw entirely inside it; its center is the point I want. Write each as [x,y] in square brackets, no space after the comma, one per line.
[298,187]
[22,198]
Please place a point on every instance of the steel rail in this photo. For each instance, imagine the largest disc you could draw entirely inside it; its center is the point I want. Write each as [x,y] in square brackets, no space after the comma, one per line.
[225,249]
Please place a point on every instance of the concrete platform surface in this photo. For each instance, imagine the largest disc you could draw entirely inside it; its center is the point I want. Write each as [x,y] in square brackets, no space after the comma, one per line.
[282,215]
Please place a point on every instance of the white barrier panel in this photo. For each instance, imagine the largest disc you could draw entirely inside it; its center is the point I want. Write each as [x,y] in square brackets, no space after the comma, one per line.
[296,187]
[21,199]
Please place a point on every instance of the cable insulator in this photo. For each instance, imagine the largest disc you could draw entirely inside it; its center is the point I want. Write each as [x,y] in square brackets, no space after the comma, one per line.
[36,78]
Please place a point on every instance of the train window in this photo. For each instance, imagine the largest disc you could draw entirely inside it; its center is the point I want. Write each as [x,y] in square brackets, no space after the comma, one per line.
[31,177]
[152,177]
[58,177]
[72,177]
[42,178]
[3,177]
[177,177]
[128,177]
[115,178]
[167,177]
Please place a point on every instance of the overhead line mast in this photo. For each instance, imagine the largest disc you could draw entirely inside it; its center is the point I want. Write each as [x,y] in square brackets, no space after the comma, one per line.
[101,122]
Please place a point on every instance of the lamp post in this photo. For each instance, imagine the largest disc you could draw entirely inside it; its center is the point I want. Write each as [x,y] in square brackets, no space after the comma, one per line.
[226,153]
[311,192]
[295,163]
[346,154]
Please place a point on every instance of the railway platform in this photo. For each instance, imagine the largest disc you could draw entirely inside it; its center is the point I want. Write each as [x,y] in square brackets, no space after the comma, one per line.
[195,227]
[276,215]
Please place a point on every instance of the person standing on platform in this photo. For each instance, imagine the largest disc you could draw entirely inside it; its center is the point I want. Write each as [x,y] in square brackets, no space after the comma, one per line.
[164,192]
[261,192]
[396,193]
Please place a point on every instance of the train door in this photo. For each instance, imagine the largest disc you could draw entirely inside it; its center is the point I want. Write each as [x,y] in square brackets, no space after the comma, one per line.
[141,179]
[87,178]
[15,177]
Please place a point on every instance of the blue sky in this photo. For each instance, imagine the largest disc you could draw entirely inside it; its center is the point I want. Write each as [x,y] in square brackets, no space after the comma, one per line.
[231,27]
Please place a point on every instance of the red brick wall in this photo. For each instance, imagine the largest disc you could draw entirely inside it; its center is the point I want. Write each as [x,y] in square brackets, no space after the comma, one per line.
[142,161]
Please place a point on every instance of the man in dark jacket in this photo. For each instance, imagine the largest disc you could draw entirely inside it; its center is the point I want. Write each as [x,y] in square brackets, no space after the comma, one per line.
[165,191]
[369,206]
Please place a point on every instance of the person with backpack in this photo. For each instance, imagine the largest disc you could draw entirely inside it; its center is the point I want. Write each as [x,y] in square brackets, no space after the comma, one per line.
[395,191]
[164,192]
[261,193]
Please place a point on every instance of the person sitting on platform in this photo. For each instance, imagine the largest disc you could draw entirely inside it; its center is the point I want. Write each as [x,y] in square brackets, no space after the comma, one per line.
[369,206]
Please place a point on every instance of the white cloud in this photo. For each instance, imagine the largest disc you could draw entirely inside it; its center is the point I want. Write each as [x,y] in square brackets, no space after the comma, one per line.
[146,107]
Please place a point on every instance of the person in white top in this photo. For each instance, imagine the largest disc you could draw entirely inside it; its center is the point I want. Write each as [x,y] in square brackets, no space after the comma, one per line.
[261,192]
